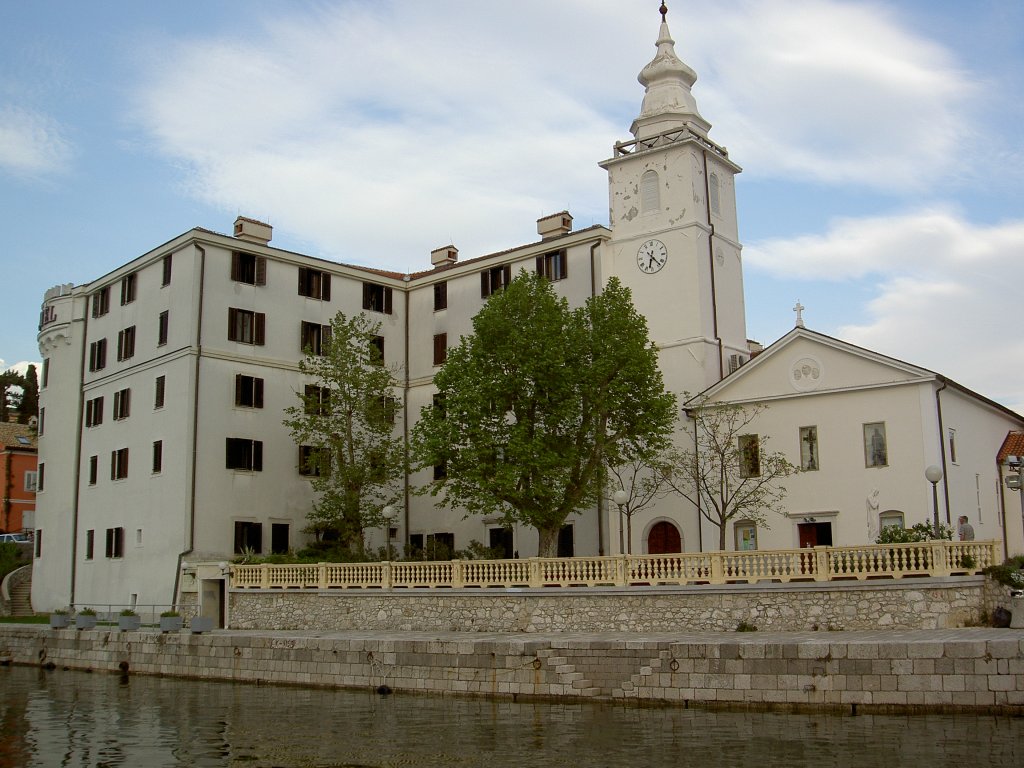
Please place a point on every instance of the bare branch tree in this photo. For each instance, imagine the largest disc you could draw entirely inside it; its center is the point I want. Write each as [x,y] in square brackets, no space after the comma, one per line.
[729,474]
[643,481]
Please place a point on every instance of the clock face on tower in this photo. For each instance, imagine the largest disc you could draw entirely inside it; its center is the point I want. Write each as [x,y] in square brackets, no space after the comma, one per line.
[651,256]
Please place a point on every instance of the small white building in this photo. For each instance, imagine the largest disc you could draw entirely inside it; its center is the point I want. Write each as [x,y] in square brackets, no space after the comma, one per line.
[165,380]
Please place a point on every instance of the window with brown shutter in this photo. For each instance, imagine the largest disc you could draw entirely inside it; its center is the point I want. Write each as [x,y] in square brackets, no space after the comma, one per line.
[248,391]
[553,266]
[440,348]
[248,268]
[494,279]
[246,327]
[314,284]
[377,298]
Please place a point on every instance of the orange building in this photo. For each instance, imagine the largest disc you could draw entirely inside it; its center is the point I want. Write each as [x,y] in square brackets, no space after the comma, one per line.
[18,477]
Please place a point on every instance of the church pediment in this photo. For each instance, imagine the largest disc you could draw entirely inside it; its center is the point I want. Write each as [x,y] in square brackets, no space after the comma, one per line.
[804,362]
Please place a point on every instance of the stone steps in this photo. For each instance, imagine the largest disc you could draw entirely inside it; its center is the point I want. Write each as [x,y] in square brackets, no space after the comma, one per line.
[21,599]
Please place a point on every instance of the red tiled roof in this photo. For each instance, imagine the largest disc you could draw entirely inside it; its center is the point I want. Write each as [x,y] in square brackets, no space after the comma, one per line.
[1013,445]
[9,434]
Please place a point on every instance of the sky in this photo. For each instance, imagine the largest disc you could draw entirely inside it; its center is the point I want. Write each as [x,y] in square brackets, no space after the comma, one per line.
[881,142]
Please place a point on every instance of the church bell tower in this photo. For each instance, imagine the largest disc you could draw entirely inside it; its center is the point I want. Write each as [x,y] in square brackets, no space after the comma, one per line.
[675,240]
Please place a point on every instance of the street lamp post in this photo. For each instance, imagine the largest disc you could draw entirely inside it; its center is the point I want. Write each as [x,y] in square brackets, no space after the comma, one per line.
[388,513]
[621,498]
[933,474]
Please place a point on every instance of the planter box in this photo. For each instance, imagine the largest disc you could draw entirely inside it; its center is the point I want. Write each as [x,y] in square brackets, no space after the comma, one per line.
[200,624]
[85,622]
[59,620]
[128,623]
[170,623]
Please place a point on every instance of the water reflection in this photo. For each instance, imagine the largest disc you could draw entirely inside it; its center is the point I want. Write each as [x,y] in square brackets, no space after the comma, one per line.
[78,719]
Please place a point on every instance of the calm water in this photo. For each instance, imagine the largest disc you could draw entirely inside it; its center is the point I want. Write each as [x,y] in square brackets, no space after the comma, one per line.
[79,719]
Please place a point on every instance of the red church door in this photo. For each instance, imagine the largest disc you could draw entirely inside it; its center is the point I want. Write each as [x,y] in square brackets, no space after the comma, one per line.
[664,539]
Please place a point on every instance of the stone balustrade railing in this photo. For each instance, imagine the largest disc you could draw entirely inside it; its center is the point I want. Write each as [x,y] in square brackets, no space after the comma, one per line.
[932,558]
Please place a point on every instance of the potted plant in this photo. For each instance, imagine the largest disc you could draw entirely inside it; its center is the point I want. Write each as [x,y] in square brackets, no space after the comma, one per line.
[170,621]
[85,619]
[128,621]
[200,624]
[59,619]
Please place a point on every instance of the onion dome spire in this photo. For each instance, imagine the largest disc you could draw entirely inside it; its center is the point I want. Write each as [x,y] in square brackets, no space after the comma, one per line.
[668,103]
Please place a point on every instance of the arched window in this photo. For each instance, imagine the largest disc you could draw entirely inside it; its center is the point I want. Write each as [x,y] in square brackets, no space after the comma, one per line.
[891,517]
[664,538]
[713,194]
[650,192]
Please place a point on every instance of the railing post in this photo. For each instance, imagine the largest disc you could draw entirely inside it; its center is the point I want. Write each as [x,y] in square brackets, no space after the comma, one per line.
[535,572]
[821,569]
[458,576]
[717,568]
[321,575]
[939,564]
[265,575]
[622,570]
[385,575]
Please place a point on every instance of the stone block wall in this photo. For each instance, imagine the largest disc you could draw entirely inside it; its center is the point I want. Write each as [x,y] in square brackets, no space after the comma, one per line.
[889,604]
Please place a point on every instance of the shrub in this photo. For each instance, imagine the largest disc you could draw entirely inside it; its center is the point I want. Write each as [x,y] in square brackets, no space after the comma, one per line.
[169,614]
[893,534]
[128,612]
[87,611]
[1009,573]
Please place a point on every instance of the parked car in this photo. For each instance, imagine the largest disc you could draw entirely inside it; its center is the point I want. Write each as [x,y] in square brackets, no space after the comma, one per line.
[14,538]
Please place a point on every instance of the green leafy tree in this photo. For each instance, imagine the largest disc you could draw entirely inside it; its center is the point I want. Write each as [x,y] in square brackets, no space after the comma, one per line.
[729,474]
[344,427]
[28,405]
[9,398]
[533,402]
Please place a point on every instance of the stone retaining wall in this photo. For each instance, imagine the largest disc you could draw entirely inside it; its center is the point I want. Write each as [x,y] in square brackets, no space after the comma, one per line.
[969,670]
[902,604]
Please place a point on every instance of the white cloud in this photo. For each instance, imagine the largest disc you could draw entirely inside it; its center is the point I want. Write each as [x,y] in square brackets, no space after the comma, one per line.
[833,92]
[945,291]
[31,143]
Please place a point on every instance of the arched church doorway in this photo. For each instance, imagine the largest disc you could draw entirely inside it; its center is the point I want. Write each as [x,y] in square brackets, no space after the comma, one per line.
[663,539]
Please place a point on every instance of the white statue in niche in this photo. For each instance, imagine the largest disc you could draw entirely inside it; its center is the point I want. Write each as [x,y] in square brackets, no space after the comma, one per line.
[873,506]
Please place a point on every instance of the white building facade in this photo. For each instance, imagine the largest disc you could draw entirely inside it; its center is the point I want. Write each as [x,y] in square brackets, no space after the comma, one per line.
[168,377]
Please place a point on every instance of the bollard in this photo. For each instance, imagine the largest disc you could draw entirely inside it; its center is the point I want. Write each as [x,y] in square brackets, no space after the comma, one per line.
[1017,609]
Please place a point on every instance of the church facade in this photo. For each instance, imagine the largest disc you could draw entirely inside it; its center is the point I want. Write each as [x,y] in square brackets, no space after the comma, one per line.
[166,381]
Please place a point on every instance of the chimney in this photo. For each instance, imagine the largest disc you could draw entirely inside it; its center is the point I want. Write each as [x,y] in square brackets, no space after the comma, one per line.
[554,225]
[253,231]
[447,254]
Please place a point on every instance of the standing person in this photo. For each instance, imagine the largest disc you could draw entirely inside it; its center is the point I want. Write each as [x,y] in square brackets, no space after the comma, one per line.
[965,529]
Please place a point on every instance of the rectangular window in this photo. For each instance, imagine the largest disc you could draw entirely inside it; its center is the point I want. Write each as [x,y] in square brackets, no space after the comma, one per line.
[314,284]
[248,268]
[248,391]
[279,538]
[809,449]
[317,400]
[41,424]
[494,279]
[750,456]
[377,298]
[309,463]
[119,464]
[126,343]
[382,409]
[553,266]
[248,537]
[44,378]
[440,295]
[158,456]
[39,542]
[438,402]
[31,481]
[90,543]
[165,280]
[440,348]
[163,324]
[40,477]
[441,470]
[952,440]
[128,289]
[115,542]
[101,302]
[98,355]
[876,451]
[746,536]
[94,469]
[159,389]
[94,412]
[246,327]
[314,337]
[122,404]
[377,350]
[244,454]
[890,519]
